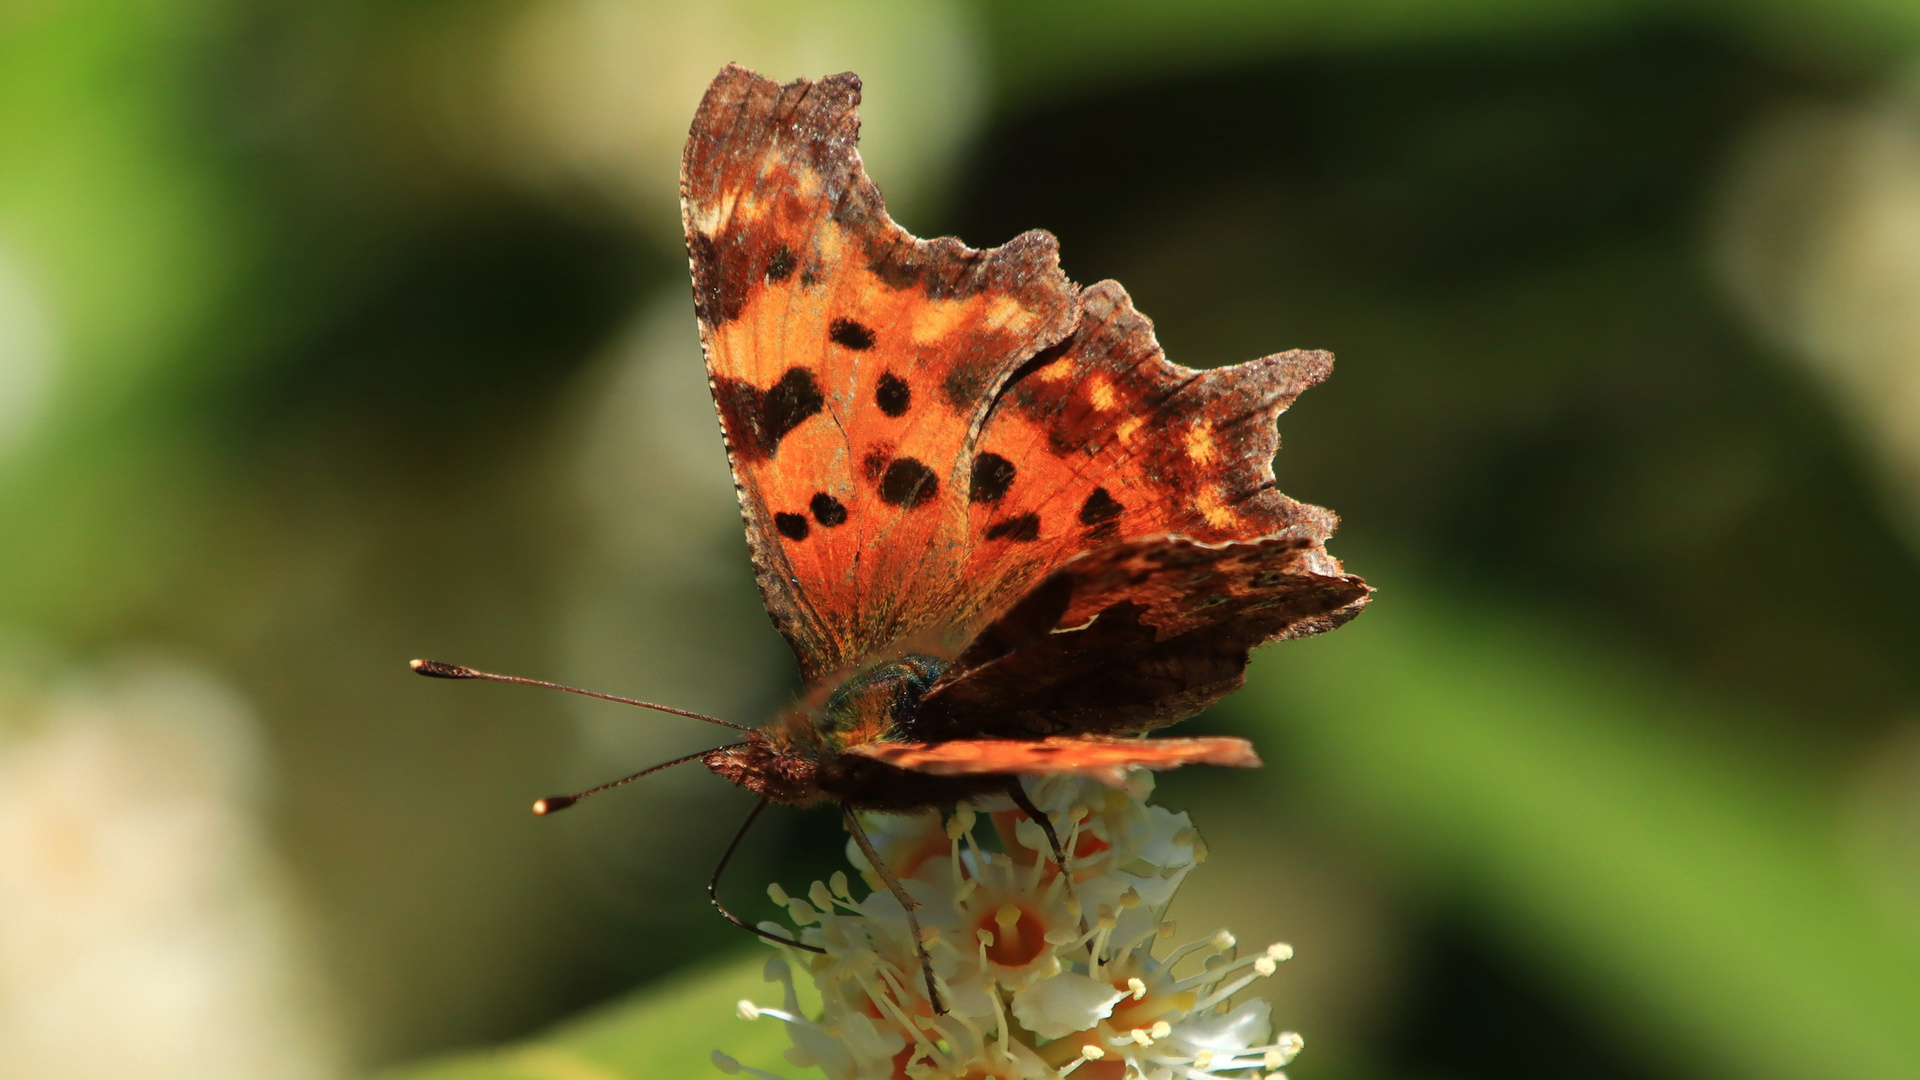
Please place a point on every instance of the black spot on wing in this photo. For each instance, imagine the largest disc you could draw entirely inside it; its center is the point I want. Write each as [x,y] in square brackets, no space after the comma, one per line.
[908,483]
[791,526]
[850,334]
[780,264]
[992,476]
[827,510]
[787,403]
[1023,528]
[893,395]
[1101,513]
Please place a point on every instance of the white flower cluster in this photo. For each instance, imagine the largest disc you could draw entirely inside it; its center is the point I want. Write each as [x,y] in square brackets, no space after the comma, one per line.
[1042,979]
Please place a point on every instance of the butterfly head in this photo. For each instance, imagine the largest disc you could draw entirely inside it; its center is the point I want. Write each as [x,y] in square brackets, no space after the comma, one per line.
[793,759]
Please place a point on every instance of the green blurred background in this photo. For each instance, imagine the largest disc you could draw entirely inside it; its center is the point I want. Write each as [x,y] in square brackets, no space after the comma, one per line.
[338,333]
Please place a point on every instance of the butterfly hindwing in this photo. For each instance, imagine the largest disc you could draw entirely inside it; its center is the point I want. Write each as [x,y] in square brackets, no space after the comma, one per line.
[1103,438]
[1137,635]
[1094,757]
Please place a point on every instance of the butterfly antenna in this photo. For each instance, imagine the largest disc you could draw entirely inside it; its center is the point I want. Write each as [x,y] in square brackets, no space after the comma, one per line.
[435,669]
[555,803]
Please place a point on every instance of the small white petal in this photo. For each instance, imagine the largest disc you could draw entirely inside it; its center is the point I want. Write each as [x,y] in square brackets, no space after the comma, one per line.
[1057,1007]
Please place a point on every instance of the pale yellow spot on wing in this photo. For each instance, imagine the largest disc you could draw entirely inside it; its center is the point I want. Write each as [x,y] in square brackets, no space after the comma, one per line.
[1054,372]
[749,209]
[704,217]
[807,183]
[827,243]
[1100,391]
[1208,503]
[935,320]
[1200,442]
[1006,312]
[1128,429]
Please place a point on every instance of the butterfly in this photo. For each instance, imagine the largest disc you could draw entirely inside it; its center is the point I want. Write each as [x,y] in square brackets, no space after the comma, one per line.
[1002,533]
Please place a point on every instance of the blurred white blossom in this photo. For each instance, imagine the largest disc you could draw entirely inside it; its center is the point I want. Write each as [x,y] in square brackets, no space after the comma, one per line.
[143,931]
[1819,241]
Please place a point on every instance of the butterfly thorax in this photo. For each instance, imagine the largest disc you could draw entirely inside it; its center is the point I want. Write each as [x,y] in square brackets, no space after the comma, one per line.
[875,704]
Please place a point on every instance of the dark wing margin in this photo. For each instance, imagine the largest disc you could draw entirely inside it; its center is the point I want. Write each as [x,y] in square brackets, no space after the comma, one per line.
[1136,636]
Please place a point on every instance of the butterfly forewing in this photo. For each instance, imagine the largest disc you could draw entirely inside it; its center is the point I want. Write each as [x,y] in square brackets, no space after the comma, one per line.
[852,364]
[921,432]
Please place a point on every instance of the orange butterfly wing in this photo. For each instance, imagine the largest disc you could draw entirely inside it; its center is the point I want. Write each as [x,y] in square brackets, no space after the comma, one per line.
[922,433]
[1095,757]
[1111,440]
[852,363]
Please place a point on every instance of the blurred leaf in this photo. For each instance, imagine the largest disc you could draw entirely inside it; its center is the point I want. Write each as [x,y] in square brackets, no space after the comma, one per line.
[113,204]
[666,1033]
[1041,48]
[1689,884]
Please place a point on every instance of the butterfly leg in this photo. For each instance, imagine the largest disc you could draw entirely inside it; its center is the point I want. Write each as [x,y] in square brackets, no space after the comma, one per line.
[1018,793]
[713,885]
[907,902]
